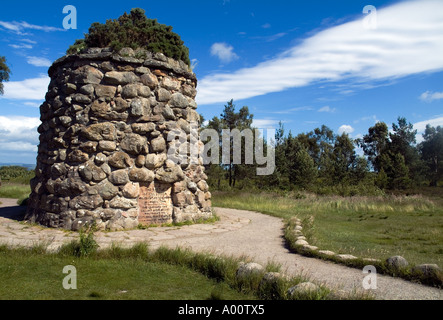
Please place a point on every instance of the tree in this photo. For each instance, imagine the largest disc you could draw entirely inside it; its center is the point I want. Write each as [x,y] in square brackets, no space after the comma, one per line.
[240,121]
[375,144]
[432,153]
[4,73]
[385,153]
[397,172]
[403,142]
[344,158]
[360,170]
[231,120]
[280,177]
[303,171]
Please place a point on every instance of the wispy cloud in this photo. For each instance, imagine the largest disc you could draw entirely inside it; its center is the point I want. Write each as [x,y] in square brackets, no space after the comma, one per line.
[21,46]
[327,109]
[430,96]
[28,41]
[10,26]
[292,110]
[39,61]
[407,41]
[194,64]
[20,27]
[271,37]
[265,123]
[372,118]
[28,89]
[224,52]
[32,104]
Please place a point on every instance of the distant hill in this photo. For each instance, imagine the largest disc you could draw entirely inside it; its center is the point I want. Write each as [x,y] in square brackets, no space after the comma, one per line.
[25,165]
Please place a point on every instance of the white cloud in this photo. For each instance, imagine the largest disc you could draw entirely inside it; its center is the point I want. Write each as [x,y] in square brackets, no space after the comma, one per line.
[18,146]
[39,62]
[265,123]
[32,104]
[266,26]
[421,126]
[346,129]
[20,46]
[372,118]
[19,27]
[327,109]
[194,64]
[224,52]
[10,26]
[272,37]
[292,110]
[28,89]
[29,41]
[19,133]
[429,96]
[407,41]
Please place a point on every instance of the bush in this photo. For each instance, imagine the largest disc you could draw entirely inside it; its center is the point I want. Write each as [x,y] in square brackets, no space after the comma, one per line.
[85,246]
[16,174]
[134,30]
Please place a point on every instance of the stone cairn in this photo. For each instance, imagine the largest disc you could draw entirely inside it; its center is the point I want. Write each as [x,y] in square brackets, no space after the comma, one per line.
[103,153]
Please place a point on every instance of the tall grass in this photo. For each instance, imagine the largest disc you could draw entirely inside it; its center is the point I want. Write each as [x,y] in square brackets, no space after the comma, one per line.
[365,226]
[12,190]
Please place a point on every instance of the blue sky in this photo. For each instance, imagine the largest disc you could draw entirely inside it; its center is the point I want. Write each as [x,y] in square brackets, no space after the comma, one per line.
[305,63]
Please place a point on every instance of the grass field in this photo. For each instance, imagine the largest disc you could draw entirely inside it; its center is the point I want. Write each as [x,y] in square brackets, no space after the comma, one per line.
[370,227]
[14,190]
[33,275]
[138,273]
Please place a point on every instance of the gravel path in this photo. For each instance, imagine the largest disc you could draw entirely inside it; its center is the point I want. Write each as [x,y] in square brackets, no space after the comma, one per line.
[238,233]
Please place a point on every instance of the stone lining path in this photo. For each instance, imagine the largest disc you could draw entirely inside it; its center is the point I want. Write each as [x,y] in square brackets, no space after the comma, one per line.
[237,233]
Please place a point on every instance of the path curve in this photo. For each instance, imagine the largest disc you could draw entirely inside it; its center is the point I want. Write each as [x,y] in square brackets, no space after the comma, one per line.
[238,233]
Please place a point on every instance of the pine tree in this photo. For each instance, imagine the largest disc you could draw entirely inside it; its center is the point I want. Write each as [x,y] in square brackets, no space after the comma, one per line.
[403,139]
[4,73]
[375,144]
[432,153]
[304,170]
[232,120]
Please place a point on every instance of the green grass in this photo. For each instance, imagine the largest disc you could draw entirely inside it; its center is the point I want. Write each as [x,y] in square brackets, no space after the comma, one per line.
[32,274]
[137,273]
[370,227]
[13,190]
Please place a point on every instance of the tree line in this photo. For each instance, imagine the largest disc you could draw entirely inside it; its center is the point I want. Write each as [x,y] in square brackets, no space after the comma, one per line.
[324,161]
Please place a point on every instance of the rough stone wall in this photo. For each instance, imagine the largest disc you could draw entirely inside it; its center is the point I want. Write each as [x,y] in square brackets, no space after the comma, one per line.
[103,143]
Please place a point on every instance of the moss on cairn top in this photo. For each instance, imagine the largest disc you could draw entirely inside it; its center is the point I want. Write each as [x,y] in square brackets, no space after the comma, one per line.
[135,31]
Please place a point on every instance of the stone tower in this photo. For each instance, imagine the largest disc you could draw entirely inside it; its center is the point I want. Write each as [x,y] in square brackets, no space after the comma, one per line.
[103,153]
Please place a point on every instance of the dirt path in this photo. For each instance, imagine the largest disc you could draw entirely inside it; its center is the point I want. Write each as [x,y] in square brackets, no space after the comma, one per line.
[238,233]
